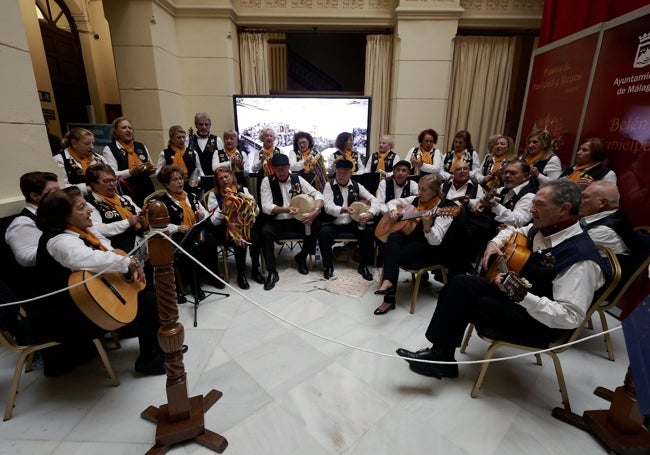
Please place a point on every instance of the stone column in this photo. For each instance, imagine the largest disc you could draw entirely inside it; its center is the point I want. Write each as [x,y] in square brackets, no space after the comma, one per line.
[422,57]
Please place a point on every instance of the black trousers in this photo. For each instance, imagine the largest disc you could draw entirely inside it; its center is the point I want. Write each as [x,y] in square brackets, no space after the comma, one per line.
[469,299]
[219,233]
[330,231]
[411,249]
[272,229]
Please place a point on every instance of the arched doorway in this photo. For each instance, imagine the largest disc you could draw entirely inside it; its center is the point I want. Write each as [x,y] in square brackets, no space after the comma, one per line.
[64,61]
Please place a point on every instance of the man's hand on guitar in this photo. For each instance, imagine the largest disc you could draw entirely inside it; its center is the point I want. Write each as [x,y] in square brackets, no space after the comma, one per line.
[490,249]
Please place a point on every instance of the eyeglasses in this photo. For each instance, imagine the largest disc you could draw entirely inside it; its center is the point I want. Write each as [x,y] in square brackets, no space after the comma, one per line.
[108,181]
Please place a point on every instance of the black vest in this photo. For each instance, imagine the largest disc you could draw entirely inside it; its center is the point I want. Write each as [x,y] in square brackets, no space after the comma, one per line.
[355,158]
[598,172]
[175,210]
[531,187]
[125,240]
[390,189]
[541,164]
[261,156]
[189,159]
[352,196]
[205,155]
[471,190]
[544,265]
[276,191]
[388,161]
[73,171]
[137,186]
[449,159]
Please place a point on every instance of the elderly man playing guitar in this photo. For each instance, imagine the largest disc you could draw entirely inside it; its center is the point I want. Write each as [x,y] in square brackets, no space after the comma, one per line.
[564,270]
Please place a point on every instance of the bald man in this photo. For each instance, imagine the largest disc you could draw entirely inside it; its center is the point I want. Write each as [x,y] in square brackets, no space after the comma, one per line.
[601,217]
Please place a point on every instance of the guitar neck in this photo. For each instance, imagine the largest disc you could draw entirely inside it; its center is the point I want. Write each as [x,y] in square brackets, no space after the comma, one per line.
[418,214]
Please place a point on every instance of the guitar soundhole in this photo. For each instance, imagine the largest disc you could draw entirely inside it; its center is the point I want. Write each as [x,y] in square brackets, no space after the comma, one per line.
[114,290]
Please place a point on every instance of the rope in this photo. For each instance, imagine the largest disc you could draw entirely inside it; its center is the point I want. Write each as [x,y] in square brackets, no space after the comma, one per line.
[317,335]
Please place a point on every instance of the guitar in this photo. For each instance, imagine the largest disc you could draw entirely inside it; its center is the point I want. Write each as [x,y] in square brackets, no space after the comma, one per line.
[516,286]
[110,300]
[406,224]
[516,254]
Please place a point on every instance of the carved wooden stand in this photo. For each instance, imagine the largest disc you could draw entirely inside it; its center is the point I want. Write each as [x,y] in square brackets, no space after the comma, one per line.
[182,418]
[620,427]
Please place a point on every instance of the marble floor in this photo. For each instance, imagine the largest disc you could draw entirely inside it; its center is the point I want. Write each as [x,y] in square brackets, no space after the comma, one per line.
[313,372]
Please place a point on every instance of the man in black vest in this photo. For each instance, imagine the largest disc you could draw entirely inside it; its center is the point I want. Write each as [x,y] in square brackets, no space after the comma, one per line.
[565,270]
[339,194]
[397,186]
[276,193]
[22,235]
[204,143]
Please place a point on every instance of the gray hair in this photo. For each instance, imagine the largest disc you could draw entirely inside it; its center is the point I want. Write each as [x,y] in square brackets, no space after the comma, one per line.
[565,191]
[199,115]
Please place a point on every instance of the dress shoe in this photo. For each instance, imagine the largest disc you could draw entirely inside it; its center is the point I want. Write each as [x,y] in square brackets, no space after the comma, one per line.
[421,354]
[435,370]
[257,276]
[180,299]
[301,262]
[271,280]
[389,291]
[184,348]
[379,312]
[365,273]
[242,282]
[328,272]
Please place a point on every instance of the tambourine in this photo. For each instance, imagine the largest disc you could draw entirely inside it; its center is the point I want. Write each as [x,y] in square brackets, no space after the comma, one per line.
[359,209]
[304,203]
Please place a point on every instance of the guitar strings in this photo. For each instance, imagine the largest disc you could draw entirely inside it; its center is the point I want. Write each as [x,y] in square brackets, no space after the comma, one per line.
[161,232]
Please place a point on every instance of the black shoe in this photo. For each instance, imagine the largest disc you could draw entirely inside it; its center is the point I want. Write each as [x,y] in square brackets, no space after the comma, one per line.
[257,276]
[301,262]
[153,365]
[379,312]
[421,354]
[271,280]
[180,299]
[328,272]
[217,283]
[435,370]
[365,273]
[242,282]
[389,291]
[184,349]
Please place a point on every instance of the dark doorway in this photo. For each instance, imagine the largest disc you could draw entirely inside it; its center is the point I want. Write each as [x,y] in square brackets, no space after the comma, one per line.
[65,63]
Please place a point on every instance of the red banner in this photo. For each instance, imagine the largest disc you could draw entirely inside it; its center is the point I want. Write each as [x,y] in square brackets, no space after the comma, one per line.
[618,111]
[556,93]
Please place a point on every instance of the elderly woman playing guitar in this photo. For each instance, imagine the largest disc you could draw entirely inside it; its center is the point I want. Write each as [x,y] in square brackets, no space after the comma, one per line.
[69,244]
[415,228]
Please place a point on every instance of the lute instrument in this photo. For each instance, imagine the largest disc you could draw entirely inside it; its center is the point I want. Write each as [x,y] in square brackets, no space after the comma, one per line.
[110,300]
[408,220]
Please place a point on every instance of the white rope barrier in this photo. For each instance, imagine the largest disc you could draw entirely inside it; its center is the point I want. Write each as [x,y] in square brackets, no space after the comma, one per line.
[305,330]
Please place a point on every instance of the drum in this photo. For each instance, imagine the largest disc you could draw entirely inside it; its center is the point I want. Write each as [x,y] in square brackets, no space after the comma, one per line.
[359,209]
[304,203]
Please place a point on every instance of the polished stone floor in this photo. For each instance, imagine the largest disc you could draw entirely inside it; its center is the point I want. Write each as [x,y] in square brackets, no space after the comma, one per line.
[314,373]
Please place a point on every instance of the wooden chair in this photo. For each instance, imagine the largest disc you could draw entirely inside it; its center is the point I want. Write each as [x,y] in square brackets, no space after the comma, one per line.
[417,272]
[611,303]
[600,297]
[25,359]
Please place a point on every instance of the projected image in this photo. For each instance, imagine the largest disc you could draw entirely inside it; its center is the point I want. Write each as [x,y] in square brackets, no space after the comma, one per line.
[323,117]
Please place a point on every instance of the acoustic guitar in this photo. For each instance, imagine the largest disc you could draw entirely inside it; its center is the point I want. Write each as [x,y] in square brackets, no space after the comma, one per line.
[110,300]
[407,221]
[516,254]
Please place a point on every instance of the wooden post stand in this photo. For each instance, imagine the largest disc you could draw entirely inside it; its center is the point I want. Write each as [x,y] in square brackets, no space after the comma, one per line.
[182,418]
[619,428]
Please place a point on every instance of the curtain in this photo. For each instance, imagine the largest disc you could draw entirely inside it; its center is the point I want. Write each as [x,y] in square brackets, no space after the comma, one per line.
[253,57]
[379,55]
[480,86]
